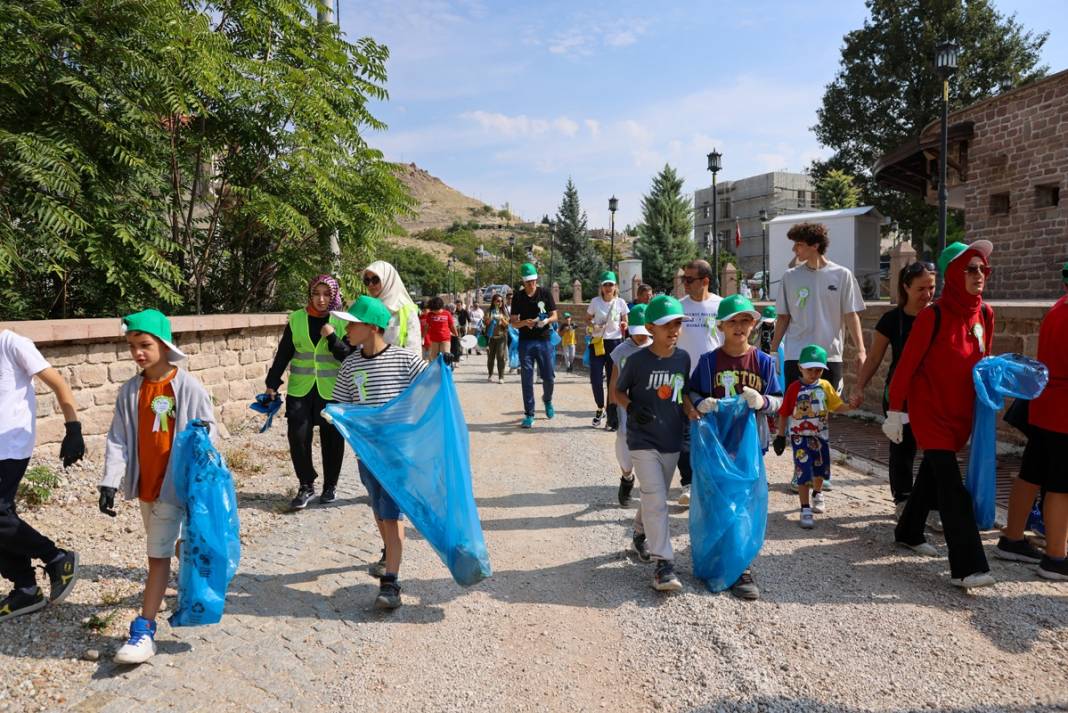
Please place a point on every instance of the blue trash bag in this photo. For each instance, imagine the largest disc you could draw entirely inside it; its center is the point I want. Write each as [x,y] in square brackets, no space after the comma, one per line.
[513,348]
[417,447]
[1035,523]
[211,541]
[995,378]
[586,353]
[728,495]
[780,365]
[554,336]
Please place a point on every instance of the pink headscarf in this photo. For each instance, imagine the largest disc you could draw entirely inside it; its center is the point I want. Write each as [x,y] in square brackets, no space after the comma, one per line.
[335,290]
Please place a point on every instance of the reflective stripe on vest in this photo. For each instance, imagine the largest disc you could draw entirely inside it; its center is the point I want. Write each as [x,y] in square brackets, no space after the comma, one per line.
[312,364]
[402,322]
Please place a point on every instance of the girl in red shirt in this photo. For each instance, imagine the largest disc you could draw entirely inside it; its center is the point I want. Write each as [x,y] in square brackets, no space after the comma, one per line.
[441,328]
[934,377]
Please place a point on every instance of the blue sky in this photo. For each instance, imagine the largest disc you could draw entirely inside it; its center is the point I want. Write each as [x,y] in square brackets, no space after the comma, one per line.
[505,100]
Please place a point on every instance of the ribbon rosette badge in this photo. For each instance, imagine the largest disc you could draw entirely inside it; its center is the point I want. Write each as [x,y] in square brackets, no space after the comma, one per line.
[728,379]
[677,382]
[162,407]
[360,379]
[802,297]
[977,330]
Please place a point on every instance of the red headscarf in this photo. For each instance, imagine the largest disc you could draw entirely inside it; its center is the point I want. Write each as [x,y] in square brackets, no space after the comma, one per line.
[955,296]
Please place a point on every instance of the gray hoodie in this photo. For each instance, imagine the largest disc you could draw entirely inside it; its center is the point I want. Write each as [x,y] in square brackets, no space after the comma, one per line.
[121,469]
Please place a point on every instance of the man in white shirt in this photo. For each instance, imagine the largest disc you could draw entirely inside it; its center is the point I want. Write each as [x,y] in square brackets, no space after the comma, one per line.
[698,336]
[19,543]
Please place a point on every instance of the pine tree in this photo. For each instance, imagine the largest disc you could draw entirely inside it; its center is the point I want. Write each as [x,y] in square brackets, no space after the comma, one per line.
[577,258]
[665,236]
[837,190]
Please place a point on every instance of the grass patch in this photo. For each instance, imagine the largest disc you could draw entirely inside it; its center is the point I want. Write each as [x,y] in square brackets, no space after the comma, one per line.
[111,598]
[99,623]
[37,485]
[241,462]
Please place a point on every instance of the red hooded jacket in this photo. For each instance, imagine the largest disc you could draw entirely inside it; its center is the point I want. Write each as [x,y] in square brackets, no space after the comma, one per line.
[934,376]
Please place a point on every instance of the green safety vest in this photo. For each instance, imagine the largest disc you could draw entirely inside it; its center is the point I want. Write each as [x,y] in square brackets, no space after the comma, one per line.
[312,364]
[402,325]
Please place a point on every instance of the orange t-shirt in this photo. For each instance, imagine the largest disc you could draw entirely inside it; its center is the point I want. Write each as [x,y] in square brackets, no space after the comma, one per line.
[155,433]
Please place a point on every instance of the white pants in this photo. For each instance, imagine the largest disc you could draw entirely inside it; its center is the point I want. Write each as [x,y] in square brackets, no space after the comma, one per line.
[569,355]
[622,452]
[654,471]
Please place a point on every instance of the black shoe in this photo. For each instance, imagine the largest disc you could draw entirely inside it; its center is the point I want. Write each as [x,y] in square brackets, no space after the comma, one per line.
[665,580]
[745,587]
[389,595]
[625,486]
[640,550]
[1053,569]
[304,496]
[62,574]
[18,603]
[328,496]
[1017,551]
[378,569]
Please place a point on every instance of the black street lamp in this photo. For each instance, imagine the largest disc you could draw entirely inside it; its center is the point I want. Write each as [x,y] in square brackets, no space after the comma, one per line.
[946,65]
[764,217]
[613,206]
[714,166]
[552,247]
[511,259]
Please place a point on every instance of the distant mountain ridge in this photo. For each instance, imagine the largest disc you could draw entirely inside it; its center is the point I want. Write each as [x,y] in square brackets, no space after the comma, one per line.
[438,205]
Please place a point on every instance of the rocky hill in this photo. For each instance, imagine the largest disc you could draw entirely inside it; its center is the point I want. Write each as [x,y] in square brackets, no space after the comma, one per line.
[438,205]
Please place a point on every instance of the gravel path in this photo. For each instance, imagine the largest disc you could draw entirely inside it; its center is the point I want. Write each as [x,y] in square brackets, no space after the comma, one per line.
[568,622]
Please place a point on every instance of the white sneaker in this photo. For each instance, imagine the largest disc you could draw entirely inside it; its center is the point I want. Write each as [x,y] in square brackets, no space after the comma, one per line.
[807,521]
[500,379]
[818,505]
[979,579]
[925,549]
[140,647]
[490,379]
[934,521]
[684,496]
[598,418]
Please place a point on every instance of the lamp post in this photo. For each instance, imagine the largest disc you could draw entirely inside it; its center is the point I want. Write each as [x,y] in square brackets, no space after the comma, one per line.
[714,166]
[552,247]
[946,64]
[511,260]
[613,206]
[764,249]
[449,276]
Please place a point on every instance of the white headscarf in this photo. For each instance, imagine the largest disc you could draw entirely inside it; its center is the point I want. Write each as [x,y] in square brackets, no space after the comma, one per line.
[394,295]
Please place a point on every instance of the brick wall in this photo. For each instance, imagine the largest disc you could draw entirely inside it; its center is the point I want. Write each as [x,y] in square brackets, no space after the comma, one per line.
[1020,143]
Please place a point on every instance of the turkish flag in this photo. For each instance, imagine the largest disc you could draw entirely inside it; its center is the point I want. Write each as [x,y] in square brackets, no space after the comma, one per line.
[737,234]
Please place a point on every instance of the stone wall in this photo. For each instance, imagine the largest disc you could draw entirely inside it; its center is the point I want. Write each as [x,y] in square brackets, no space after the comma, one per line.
[229,354]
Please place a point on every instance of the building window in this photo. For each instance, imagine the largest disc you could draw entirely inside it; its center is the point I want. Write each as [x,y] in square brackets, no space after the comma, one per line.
[999,204]
[801,199]
[706,212]
[1047,196]
[725,209]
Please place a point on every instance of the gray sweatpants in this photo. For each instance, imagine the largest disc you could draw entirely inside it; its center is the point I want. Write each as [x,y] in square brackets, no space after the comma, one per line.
[622,452]
[654,471]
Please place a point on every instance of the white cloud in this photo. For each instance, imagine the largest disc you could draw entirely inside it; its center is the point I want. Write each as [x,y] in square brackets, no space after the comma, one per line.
[521,125]
[566,126]
[594,126]
[585,36]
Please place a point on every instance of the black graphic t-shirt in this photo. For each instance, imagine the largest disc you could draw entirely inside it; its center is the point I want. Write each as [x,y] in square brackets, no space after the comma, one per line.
[655,386]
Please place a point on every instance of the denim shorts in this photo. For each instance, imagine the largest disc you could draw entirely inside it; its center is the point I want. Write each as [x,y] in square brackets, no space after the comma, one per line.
[383,505]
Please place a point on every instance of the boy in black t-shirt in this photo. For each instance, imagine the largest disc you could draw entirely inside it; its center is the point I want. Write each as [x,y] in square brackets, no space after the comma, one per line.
[533,312]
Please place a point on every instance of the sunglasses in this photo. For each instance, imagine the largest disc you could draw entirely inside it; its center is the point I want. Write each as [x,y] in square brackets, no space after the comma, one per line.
[978,269]
[371,280]
[916,268]
[691,280]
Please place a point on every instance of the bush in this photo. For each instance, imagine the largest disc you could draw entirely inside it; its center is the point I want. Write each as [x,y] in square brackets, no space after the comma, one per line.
[37,485]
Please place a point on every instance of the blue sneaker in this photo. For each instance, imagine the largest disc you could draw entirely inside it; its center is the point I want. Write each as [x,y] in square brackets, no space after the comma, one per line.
[141,645]
[528,422]
[549,410]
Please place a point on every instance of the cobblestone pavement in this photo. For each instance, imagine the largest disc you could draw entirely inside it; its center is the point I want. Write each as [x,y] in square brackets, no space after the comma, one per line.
[846,622]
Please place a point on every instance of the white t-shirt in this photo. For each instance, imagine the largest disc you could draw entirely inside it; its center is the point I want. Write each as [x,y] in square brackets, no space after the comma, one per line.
[19,361]
[699,334]
[816,301]
[476,318]
[607,317]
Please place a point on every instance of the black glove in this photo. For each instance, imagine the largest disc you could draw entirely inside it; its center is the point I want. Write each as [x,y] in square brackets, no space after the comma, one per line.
[73,447]
[107,500]
[779,445]
[641,415]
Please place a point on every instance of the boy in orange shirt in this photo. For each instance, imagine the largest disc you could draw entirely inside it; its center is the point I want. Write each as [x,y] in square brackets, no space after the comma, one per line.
[150,409]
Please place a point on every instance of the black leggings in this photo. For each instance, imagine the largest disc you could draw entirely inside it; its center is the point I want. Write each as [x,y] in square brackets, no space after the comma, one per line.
[19,543]
[303,414]
[939,486]
[902,459]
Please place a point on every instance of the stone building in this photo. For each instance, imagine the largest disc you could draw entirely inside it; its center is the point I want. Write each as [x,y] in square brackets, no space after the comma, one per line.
[1007,166]
[779,193]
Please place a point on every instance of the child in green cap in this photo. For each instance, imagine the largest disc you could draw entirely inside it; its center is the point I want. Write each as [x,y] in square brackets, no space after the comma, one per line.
[805,414]
[158,402]
[567,341]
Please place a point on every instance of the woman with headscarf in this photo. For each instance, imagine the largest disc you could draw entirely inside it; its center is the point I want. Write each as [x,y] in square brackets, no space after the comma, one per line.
[310,347]
[384,283]
[934,378]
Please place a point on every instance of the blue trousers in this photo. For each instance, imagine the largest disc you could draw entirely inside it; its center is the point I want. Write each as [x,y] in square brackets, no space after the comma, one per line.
[540,351]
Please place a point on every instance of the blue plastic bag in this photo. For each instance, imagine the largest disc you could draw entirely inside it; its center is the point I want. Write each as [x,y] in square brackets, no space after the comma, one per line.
[780,364]
[211,541]
[513,348]
[417,447]
[554,336]
[728,495]
[586,353]
[995,378]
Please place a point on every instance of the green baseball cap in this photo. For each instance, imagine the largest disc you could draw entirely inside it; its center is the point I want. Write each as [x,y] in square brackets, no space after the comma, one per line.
[663,309]
[735,304]
[813,356]
[366,310]
[768,314]
[608,278]
[528,272]
[636,320]
[567,314]
[154,322]
[955,250]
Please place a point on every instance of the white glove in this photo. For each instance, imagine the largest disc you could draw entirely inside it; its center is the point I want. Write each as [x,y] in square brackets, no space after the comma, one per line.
[753,398]
[707,405]
[542,323]
[894,426]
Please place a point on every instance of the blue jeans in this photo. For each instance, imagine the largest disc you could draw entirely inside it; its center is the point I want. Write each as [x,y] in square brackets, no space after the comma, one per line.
[540,351]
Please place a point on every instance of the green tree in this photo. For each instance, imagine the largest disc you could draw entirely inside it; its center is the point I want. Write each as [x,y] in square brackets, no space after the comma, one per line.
[887,90]
[576,257]
[836,189]
[665,235]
